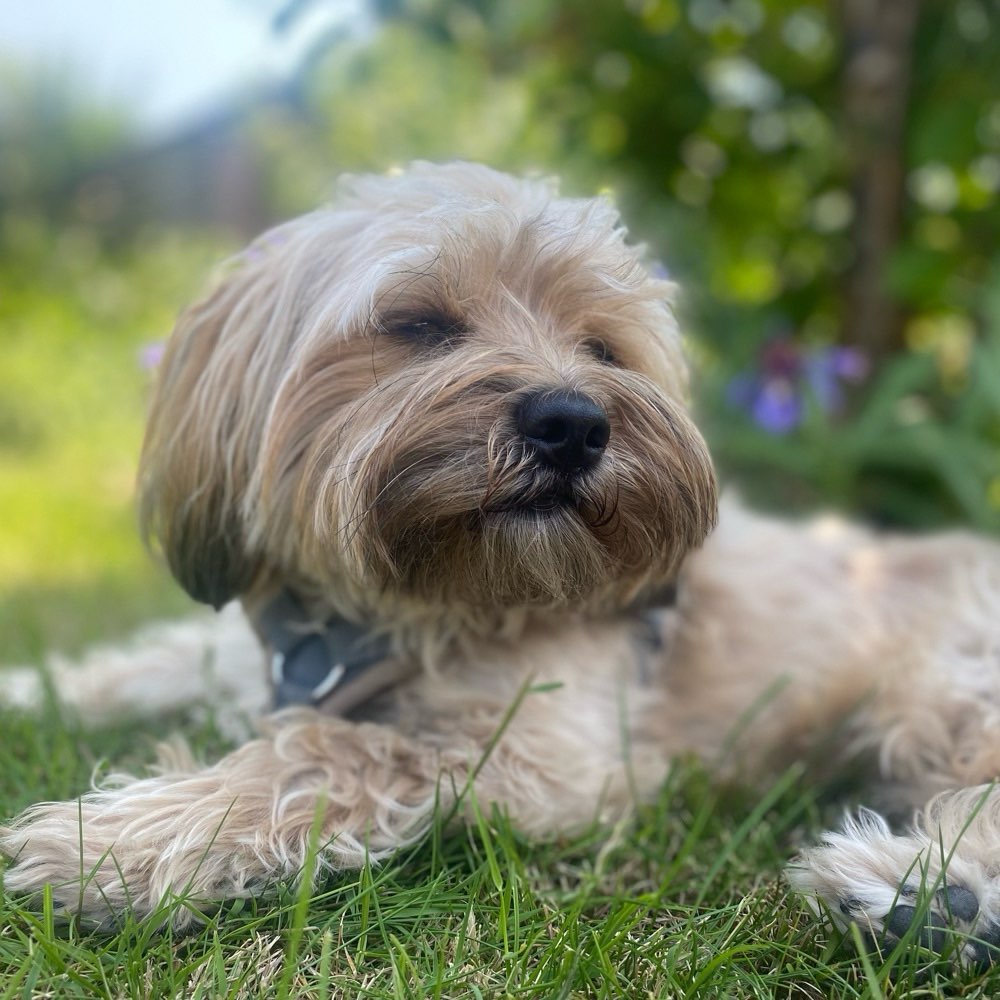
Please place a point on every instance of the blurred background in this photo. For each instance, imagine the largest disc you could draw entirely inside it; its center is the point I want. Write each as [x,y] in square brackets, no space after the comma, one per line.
[823,177]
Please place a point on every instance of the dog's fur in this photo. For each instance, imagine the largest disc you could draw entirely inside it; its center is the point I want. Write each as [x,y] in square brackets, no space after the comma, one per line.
[343,417]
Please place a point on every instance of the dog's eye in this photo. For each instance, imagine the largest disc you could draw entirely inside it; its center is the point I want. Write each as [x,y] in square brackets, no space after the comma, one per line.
[431,329]
[600,350]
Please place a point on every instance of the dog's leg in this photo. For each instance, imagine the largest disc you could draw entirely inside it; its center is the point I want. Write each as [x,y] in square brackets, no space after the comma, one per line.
[228,830]
[942,876]
[214,659]
[552,755]
[933,724]
[361,789]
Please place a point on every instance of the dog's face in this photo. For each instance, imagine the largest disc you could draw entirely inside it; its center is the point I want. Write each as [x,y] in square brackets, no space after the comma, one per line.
[451,387]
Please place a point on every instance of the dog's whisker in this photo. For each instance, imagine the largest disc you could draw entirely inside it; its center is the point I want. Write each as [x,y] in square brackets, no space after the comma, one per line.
[356,519]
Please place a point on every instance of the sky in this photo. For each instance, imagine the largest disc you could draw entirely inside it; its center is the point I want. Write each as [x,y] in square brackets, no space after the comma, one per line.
[168,60]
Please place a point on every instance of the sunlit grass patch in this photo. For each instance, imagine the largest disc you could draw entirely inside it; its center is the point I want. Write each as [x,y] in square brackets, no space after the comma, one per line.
[73,394]
[644,910]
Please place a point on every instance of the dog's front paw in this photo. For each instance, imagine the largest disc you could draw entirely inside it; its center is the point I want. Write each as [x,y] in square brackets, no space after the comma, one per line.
[193,838]
[913,889]
[43,848]
[90,871]
[116,850]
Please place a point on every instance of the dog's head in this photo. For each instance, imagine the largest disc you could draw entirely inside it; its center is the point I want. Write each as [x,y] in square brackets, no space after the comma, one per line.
[452,387]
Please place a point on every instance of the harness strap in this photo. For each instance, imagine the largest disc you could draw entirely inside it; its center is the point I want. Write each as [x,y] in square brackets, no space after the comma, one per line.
[337,663]
[341,665]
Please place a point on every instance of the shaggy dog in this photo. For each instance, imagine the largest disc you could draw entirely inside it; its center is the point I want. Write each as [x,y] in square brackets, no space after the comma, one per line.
[434,440]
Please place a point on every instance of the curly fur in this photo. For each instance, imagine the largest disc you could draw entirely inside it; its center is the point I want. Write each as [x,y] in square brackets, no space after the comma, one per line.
[341,417]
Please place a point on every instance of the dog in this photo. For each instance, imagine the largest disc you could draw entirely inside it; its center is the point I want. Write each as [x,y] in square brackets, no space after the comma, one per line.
[434,440]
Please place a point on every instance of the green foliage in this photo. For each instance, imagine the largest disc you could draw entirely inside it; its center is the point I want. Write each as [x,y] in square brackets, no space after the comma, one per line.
[919,447]
[74,321]
[50,129]
[731,109]
[724,110]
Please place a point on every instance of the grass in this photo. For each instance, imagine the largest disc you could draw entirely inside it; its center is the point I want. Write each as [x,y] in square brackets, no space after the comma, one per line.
[683,899]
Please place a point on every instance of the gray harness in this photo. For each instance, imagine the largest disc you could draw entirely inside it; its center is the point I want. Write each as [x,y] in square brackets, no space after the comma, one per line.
[339,664]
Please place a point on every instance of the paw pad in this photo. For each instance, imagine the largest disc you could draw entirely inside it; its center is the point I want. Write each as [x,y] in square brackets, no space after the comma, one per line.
[984,948]
[960,902]
[931,935]
[952,908]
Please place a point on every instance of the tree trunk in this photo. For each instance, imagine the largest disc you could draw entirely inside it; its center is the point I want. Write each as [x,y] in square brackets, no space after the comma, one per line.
[878,47]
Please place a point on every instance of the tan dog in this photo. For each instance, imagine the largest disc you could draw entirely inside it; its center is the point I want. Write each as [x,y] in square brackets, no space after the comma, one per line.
[434,439]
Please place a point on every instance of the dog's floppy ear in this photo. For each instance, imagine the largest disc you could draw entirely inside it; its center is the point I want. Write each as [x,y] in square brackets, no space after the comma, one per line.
[200,442]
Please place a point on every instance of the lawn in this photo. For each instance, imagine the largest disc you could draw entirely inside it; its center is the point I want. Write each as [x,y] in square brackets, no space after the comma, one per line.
[683,898]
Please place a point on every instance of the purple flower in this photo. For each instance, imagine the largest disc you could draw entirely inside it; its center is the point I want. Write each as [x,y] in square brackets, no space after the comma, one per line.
[787,376]
[151,354]
[828,369]
[777,408]
[850,364]
[821,378]
[781,358]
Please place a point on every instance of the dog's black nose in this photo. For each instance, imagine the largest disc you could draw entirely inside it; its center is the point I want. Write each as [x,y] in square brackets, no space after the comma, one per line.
[569,430]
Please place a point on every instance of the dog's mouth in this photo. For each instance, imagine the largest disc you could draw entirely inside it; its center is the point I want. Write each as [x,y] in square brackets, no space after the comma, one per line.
[540,511]
[546,498]
[537,505]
